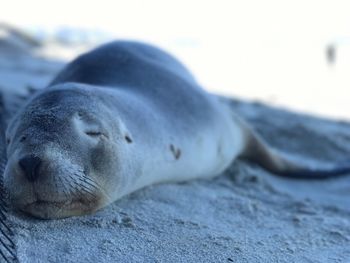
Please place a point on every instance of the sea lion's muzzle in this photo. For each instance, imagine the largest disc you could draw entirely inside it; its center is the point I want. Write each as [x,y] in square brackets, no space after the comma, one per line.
[48,184]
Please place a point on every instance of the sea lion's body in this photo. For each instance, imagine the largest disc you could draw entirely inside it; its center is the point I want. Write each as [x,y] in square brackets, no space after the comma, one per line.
[179,131]
[121,117]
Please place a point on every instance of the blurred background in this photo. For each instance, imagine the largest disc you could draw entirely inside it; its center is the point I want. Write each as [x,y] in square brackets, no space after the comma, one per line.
[294,54]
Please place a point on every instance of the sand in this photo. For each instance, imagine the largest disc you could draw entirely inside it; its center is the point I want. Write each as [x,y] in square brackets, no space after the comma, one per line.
[245,215]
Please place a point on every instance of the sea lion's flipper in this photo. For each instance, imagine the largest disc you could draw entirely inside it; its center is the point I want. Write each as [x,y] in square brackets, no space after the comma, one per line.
[258,151]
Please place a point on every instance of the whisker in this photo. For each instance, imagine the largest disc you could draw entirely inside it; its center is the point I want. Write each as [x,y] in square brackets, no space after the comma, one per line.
[81,187]
[66,192]
[87,180]
[86,190]
[100,188]
[73,187]
[66,195]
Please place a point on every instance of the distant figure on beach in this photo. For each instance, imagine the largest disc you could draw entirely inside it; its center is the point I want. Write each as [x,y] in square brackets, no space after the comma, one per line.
[331,53]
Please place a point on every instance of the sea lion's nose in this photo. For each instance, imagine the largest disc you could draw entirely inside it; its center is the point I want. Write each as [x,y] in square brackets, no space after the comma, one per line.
[30,165]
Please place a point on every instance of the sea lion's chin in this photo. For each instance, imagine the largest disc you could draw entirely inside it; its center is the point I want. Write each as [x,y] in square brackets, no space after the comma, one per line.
[58,209]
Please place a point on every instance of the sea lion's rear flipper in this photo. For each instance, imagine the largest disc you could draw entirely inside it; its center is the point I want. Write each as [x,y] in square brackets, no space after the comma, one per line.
[257,150]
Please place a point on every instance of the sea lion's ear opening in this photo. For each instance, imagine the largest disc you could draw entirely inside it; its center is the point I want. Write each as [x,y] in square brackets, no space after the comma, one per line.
[124,132]
[128,139]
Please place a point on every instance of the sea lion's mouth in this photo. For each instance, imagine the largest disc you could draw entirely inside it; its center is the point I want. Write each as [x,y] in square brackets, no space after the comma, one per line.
[62,204]
[56,209]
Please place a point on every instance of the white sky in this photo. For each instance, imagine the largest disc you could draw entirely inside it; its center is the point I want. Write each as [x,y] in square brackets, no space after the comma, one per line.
[268,50]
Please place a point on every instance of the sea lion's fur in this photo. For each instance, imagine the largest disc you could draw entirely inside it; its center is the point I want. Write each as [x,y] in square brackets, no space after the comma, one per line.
[116,119]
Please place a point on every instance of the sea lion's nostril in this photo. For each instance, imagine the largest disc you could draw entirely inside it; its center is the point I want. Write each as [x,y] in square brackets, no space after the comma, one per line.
[30,165]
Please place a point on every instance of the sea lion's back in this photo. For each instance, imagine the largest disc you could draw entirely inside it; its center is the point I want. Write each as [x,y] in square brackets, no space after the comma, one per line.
[123,63]
[146,73]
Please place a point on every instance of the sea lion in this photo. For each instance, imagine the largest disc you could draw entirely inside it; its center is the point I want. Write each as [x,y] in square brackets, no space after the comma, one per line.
[119,118]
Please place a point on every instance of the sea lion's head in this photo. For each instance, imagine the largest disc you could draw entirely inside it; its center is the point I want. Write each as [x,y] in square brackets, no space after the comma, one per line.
[63,149]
